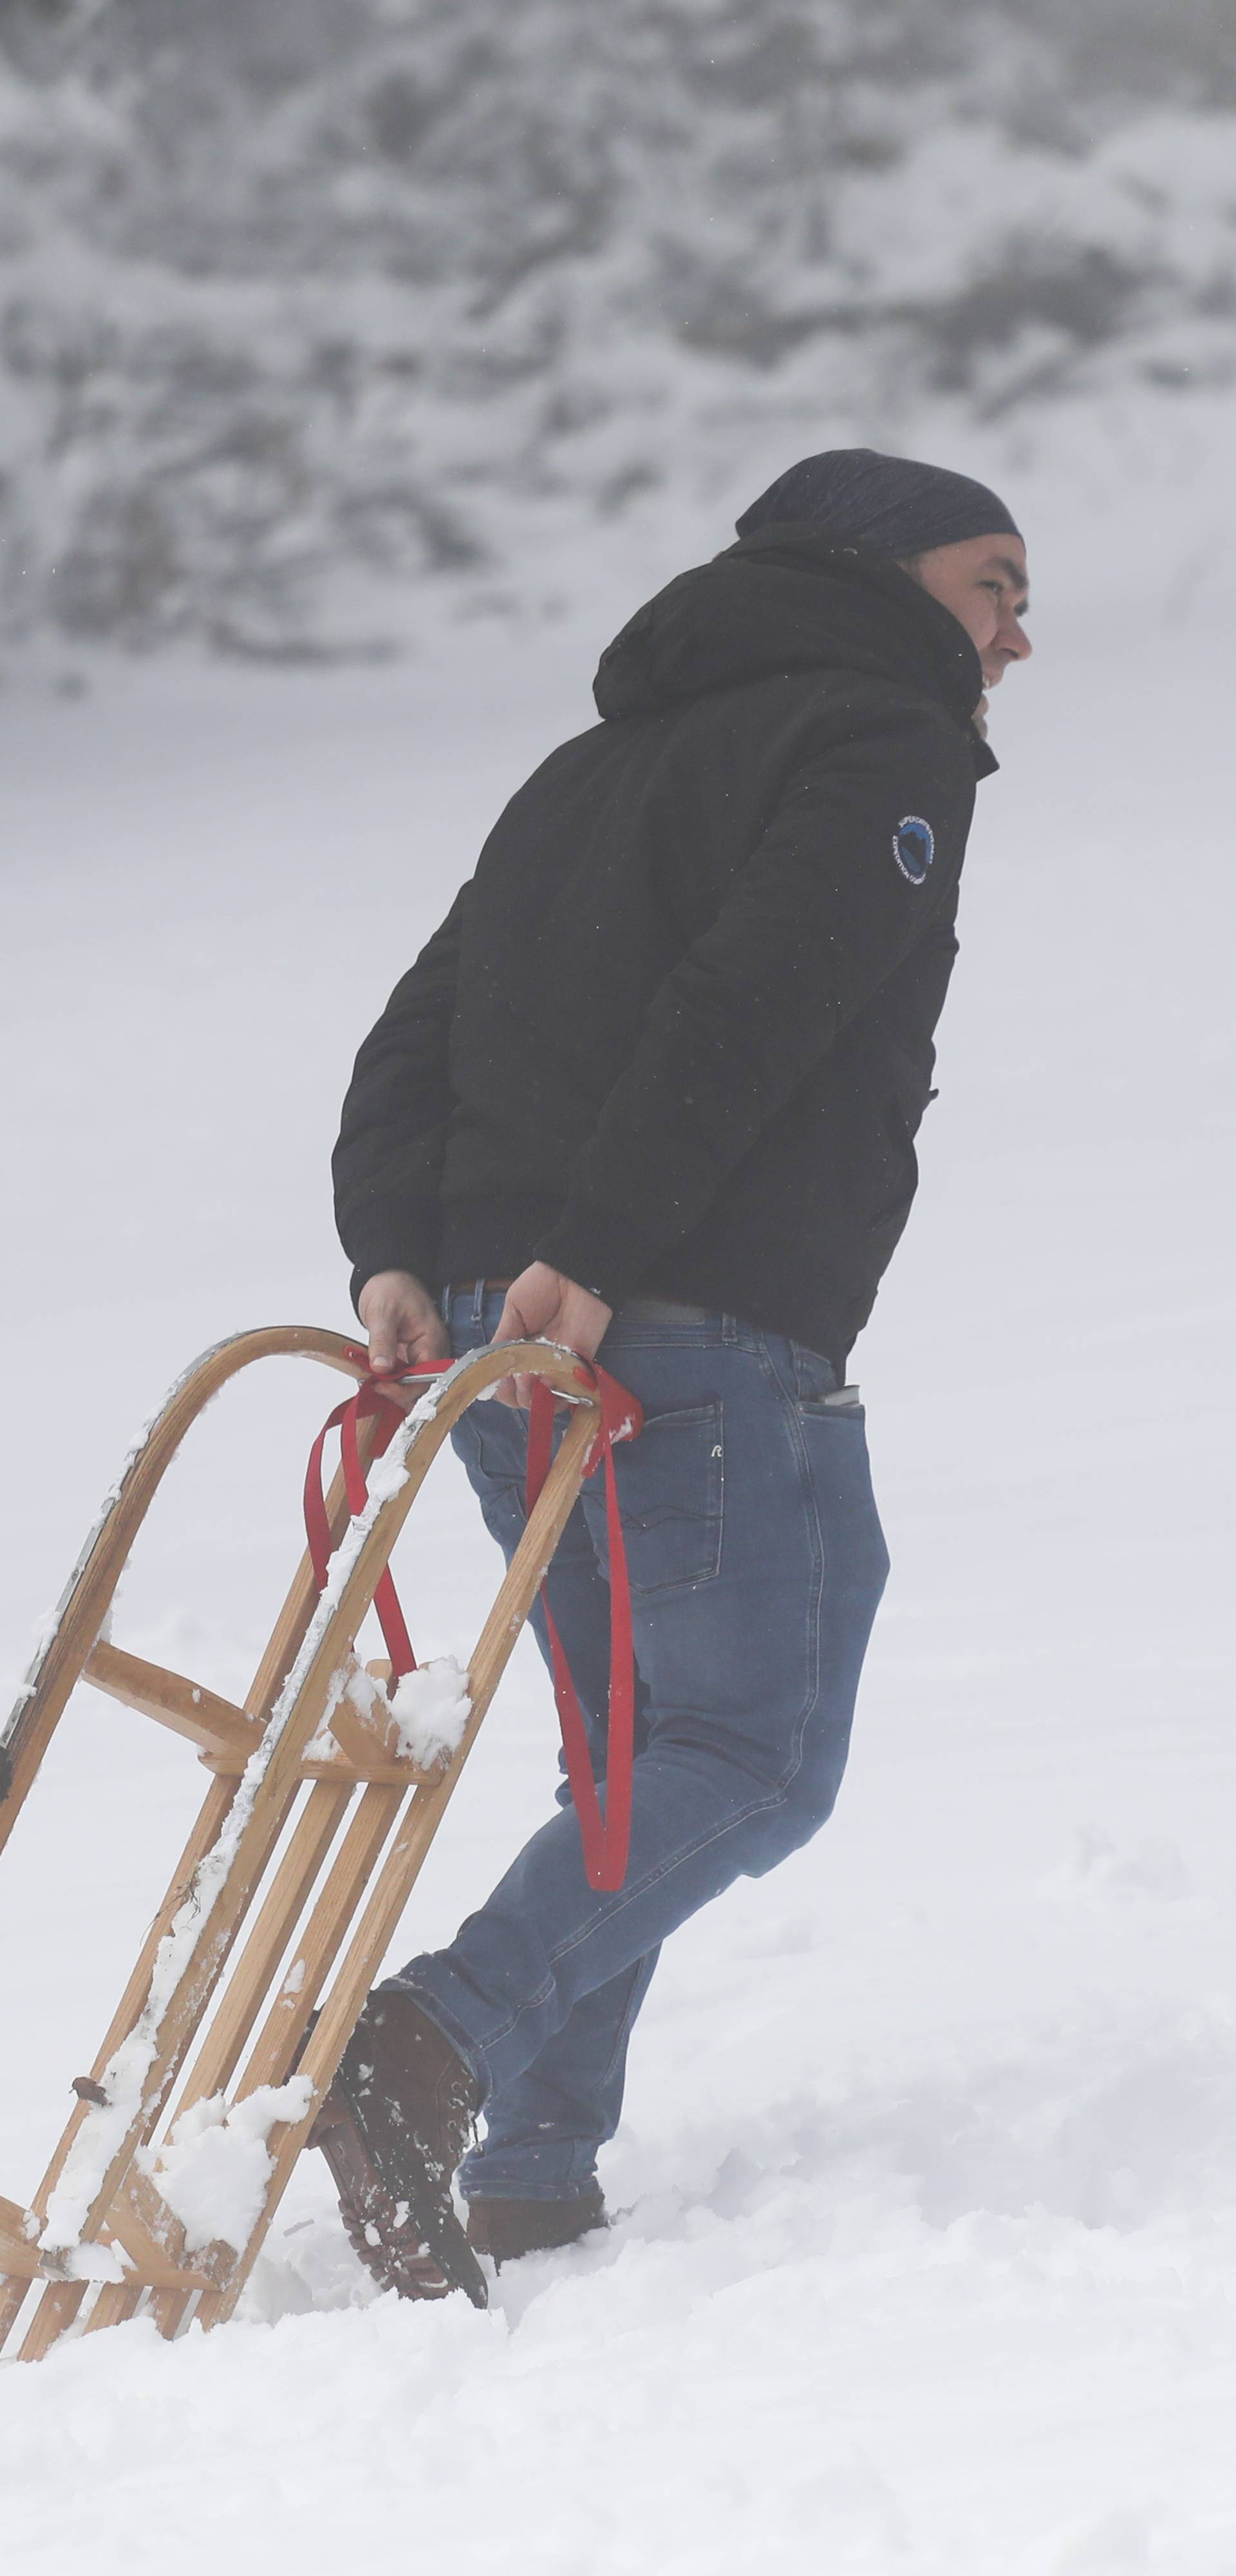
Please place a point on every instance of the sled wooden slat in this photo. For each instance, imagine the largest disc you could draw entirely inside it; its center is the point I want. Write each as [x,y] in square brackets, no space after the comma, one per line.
[369,1743]
[56,2311]
[207,1721]
[391,1775]
[114,2304]
[326,1900]
[153,2237]
[277,1918]
[18,2254]
[13,2287]
[288,2019]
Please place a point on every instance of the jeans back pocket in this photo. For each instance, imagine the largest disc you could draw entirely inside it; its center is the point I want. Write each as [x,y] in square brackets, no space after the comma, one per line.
[671,1488]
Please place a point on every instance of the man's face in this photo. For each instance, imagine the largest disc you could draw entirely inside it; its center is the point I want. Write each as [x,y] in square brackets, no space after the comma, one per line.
[984,582]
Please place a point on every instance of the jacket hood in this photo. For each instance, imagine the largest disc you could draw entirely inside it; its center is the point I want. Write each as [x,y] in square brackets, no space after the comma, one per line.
[791,599]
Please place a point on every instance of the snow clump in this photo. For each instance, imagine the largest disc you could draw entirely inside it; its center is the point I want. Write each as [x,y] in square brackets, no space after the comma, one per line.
[431,1709]
[215,2166]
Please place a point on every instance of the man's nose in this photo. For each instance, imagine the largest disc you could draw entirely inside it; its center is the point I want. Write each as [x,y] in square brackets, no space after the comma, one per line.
[1015,643]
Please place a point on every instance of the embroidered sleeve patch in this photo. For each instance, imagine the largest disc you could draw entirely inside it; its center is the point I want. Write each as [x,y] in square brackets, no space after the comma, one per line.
[914,847]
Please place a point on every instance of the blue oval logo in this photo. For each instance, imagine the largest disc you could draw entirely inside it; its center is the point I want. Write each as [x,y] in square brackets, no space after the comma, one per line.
[914,847]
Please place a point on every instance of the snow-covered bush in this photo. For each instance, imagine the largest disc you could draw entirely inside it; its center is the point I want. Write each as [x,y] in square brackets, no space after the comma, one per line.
[305,308]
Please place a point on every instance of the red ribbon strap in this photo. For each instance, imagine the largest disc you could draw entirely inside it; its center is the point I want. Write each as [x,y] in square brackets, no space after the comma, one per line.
[346,1420]
[606,1838]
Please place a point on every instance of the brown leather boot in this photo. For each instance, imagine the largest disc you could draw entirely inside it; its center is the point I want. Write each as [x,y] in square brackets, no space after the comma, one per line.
[393,2128]
[505,2229]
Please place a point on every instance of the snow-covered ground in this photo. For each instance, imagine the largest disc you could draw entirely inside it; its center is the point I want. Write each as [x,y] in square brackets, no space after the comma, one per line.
[926,2261]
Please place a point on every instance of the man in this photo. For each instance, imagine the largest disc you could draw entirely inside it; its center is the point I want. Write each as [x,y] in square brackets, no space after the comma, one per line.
[652,1091]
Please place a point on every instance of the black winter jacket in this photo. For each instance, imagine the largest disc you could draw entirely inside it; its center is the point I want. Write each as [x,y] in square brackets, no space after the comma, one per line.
[675,1036]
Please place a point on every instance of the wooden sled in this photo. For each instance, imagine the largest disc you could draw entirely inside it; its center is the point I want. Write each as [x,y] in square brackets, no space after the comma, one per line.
[99,2236]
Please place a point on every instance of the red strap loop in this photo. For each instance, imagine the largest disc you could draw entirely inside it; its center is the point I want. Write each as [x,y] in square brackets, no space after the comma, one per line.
[606,1838]
[346,1419]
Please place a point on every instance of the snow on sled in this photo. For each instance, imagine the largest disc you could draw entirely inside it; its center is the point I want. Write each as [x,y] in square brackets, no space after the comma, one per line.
[205,2086]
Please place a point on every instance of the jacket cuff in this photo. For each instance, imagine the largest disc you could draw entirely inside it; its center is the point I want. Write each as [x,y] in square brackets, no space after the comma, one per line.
[599,1248]
[406,1241]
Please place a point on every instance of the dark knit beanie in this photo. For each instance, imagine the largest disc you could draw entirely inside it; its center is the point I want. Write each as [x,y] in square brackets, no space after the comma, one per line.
[891,502]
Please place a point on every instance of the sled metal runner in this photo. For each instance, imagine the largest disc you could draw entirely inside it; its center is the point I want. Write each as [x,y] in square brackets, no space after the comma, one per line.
[204,2014]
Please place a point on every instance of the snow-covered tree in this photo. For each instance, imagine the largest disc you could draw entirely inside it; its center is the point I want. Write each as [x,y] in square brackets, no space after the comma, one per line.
[298,302]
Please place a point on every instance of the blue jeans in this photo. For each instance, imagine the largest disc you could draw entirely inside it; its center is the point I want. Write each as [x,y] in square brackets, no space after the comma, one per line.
[757,1563]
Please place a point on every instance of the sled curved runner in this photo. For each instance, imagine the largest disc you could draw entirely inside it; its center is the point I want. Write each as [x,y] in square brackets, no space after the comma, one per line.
[98,2228]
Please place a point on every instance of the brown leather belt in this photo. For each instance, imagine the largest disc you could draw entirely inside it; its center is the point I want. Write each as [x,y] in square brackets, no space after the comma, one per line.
[457,1287]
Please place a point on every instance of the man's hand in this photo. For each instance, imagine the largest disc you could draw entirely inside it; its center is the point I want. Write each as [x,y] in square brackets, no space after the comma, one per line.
[543,1305]
[402,1322]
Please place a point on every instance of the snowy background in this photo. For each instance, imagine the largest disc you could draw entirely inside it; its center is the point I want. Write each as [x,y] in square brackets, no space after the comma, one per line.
[362,366]
[321,316]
